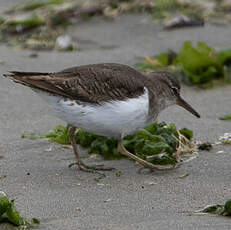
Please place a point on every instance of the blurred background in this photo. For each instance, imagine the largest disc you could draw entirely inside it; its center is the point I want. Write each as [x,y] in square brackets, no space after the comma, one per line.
[190,39]
[148,34]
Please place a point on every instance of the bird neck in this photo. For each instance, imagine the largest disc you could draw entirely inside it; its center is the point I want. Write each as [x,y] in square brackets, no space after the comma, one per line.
[159,98]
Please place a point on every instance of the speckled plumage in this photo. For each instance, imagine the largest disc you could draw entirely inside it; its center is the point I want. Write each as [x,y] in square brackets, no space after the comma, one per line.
[100,83]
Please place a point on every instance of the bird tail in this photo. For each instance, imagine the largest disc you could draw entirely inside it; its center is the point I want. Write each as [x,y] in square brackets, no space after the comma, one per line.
[42,81]
[25,78]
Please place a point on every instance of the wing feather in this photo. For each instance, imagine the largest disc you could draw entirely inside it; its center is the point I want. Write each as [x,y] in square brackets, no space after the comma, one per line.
[96,83]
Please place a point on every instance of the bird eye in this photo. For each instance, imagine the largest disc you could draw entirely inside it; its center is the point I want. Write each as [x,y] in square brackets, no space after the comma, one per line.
[175,90]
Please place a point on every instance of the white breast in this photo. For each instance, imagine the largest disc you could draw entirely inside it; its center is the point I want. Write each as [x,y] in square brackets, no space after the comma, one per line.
[113,119]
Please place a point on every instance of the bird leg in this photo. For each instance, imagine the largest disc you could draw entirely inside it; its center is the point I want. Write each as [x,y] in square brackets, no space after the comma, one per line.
[145,163]
[81,165]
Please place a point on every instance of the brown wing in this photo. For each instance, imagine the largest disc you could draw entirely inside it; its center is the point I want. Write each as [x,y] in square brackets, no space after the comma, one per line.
[96,83]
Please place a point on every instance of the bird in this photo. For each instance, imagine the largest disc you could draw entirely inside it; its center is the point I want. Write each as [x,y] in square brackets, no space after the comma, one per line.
[107,99]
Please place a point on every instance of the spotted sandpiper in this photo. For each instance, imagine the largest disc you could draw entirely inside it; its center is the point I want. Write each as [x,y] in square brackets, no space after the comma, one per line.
[109,99]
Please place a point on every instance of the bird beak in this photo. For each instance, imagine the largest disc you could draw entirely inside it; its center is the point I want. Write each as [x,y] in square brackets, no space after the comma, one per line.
[188,107]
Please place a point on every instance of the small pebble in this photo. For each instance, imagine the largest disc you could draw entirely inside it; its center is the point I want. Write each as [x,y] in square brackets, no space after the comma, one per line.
[100,184]
[64,42]
[184,175]
[183,21]
[221,151]
[150,182]
[33,55]
[48,149]
[2,194]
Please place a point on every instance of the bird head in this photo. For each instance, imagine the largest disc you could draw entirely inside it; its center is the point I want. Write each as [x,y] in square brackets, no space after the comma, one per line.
[169,88]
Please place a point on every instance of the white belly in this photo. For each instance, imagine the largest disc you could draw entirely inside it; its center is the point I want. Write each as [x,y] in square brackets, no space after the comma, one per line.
[112,119]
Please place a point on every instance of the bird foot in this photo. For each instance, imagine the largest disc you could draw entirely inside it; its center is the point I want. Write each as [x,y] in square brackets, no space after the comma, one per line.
[91,168]
[153,167]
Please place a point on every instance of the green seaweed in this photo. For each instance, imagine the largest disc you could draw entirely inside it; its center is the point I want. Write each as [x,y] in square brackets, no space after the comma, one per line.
[59,134]
[158,14]
[32,136]
[4,203]
[226,117]
[169,8]
[2,20]
[187,133]
[163,58]
[218,209]
[213,209]
[35,4]
[10,215]
[143,66]
[167,4]
[162,62]
[18,25]
[156,143]
[225,56]
[201,65]
[227,208]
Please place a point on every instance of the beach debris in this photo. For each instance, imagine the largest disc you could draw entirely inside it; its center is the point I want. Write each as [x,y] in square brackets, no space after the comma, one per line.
[201,65]
[65,42]
[225,139]
[183,21]
[205,146]
[226,117]
[9,214]
[218,209]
